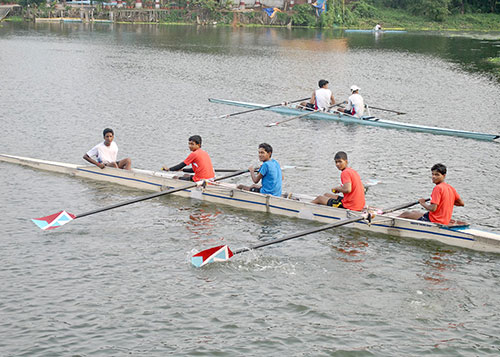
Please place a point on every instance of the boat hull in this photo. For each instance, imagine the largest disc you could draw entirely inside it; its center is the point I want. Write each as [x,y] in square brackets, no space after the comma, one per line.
[370,121]
[228,194]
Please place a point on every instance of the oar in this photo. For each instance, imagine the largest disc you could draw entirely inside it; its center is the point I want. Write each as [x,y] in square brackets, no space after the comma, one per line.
[223,253]
[303,115]
[60,218]
[284,167]
[262,108]
[386,110]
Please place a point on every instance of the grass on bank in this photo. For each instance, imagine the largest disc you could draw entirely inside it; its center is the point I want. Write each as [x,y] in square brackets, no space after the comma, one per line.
[393,18]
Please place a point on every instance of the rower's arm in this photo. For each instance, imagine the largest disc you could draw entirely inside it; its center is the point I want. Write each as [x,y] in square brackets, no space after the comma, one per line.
[345,188]
[256,177]
[431,207]
[175,168]
[332,100]
[459,202]
[93,162]
[313,98]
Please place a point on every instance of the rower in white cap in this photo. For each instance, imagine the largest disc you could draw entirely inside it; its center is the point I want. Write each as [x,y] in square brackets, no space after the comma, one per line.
[356,104]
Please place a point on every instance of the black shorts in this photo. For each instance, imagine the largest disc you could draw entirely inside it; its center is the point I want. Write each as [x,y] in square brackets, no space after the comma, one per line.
[188,178]
[425,217]
[348,112]
[255,189]
[335,202]
[310,106]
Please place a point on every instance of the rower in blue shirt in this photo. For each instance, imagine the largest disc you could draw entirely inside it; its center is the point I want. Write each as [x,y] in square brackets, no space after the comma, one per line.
[269,173]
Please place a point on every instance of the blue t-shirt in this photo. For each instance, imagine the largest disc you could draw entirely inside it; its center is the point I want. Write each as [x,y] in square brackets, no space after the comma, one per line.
[271,178]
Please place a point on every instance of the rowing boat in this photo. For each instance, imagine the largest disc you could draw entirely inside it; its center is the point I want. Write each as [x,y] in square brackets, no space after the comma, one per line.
[299,206]
[365,120]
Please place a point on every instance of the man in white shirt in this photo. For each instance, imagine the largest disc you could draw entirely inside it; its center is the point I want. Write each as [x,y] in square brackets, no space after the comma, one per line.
[106,153]
[377,27]
[355,105]
[321,99]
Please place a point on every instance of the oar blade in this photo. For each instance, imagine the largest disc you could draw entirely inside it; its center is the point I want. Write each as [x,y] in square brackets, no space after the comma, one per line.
[53,221]
[221,253]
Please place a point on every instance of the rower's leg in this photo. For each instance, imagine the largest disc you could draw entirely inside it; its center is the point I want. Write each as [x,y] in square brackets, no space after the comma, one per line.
[411,215]
[125,164]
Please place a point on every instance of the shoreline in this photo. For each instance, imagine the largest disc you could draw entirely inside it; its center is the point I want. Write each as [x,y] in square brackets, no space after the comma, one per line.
[104,21]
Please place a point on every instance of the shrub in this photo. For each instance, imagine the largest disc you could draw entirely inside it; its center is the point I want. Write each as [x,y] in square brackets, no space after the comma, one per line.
[304,15]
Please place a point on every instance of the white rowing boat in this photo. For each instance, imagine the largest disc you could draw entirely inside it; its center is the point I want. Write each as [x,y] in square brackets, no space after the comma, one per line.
[365,120]
[227,194]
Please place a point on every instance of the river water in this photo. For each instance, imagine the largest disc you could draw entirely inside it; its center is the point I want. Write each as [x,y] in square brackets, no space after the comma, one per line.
[120,282]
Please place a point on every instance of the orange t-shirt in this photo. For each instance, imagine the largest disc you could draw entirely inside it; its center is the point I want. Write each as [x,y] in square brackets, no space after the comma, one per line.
[444,196]
[202,165]
[356,199]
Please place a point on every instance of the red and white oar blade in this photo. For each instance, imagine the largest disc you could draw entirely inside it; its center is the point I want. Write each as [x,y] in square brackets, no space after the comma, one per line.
[55,220]
[212,255]
[273,124]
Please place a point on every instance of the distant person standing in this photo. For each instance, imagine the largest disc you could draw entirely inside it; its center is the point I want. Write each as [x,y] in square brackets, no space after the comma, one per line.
[106,153]
[321,99]
[355,104]
[377,27]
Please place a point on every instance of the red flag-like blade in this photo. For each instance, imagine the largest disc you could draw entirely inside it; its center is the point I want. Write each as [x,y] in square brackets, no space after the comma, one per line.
[216,254]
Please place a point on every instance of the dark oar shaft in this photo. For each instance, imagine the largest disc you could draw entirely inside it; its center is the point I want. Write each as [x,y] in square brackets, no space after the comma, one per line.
[300,234]
[323,228]
[157,194]
[262,108]
[216,170]
[386,110]
[398,207]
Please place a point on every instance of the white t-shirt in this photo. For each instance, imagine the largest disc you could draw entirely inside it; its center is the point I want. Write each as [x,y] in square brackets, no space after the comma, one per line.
[377,28]
[323,97]
[356,101]
[103,153]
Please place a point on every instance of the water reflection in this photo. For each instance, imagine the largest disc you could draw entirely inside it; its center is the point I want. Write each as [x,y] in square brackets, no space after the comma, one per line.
[438,264]
[464,49]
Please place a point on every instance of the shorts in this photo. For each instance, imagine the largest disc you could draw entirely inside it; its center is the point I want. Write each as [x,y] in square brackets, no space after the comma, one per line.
[425,217]
[310,106]
[188,178]
[255,189]
[335,202]
[350,112]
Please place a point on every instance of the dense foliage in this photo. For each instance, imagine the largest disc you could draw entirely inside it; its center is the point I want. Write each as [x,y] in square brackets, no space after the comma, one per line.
[411,14]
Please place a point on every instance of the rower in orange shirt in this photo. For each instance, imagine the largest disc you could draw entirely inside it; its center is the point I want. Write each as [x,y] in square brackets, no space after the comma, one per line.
[351,187]
[198,159]
[443,198]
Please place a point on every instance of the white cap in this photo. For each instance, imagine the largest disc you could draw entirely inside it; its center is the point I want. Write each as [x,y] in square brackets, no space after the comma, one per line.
[354,88]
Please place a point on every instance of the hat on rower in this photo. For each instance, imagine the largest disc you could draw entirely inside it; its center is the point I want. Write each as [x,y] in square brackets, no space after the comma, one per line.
[354,88]
[322,82]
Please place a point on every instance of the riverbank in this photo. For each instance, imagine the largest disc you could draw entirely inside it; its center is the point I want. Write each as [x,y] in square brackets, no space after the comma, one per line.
[300,16]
